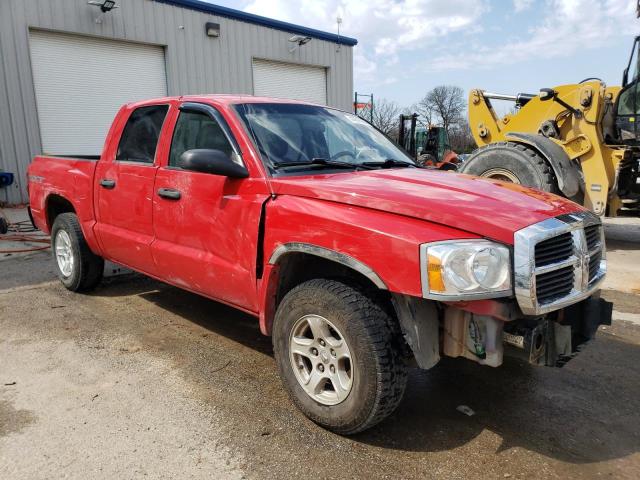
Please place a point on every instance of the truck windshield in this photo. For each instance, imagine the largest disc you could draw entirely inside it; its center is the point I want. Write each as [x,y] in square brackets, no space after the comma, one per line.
[298,137]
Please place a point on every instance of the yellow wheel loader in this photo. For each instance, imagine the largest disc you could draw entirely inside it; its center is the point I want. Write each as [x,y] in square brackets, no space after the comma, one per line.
[581,141]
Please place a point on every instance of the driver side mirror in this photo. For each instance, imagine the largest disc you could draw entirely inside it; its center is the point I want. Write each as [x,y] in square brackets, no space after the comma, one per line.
[215,162]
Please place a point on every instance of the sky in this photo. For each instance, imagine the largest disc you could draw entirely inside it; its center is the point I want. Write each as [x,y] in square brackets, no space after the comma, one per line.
[407,47]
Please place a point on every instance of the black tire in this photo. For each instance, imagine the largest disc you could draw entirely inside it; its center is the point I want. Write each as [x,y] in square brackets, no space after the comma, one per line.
[88,267]
[519,160]
[380,374]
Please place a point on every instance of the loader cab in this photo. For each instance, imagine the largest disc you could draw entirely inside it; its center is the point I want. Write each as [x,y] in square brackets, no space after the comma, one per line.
[428,144]
[628,103]
[420,140]
[432,141]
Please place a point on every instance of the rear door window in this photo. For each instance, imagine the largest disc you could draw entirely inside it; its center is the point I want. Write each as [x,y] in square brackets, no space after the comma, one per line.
[141,133]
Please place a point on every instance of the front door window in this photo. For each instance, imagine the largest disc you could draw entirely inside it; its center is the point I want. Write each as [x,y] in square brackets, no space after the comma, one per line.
[195,130]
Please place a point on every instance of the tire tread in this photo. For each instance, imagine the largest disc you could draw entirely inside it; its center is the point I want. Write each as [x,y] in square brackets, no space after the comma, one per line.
[383,336]
[548,179]
[91,265]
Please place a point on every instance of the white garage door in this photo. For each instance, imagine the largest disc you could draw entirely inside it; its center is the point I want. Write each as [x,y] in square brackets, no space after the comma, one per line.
[290,80]
[81,82]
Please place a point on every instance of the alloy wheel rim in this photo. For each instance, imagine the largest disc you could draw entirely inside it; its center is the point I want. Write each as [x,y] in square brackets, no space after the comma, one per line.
[501,174]
[64,253]
[321,360]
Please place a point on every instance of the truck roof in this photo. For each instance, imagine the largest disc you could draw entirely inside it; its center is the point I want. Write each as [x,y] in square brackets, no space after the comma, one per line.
[228,99]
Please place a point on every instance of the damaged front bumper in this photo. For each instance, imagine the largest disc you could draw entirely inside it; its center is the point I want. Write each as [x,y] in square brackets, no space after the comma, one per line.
[556,339]
[485,331]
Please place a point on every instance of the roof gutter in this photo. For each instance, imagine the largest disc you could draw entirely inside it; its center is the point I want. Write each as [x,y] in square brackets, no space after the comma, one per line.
[220,11]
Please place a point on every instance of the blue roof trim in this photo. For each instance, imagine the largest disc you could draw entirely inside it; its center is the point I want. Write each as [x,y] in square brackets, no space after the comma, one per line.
[259,20]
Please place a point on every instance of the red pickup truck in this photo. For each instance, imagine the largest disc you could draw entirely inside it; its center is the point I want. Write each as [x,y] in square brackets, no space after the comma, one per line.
[358,263]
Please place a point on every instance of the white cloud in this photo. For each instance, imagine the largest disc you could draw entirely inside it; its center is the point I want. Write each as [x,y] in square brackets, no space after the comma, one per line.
[362,64]
[384,28]
[566,27]
[399,39]
[522,5]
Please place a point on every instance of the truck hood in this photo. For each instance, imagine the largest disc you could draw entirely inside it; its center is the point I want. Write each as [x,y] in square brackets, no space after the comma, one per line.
[485,207]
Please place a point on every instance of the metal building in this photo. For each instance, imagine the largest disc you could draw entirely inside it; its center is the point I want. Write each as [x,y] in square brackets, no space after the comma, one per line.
[66,66]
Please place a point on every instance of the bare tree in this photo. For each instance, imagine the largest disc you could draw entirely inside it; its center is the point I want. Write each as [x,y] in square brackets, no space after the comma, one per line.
[444,104]
[386,115]
[426,112]
[461,138]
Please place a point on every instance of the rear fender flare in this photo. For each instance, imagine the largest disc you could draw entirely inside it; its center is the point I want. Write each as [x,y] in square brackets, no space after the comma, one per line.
[568,174]
[86,224]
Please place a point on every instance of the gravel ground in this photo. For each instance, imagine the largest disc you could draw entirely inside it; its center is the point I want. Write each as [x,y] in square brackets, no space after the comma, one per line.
[142,379]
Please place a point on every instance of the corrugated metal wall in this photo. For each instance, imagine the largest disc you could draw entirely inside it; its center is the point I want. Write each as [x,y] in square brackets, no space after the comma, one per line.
[195,63]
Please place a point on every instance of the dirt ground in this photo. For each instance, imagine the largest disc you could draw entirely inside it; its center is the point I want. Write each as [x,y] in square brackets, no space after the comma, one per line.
[142,379]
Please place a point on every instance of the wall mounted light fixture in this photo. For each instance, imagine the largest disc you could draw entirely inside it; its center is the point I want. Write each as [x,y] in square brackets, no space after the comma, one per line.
[105,7]
[212,29]
[299,40]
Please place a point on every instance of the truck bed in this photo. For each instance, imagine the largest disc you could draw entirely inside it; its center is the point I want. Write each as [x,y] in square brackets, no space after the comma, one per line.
[68,177]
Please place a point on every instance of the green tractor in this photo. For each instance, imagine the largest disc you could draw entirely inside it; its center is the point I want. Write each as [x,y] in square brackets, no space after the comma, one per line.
[427,144]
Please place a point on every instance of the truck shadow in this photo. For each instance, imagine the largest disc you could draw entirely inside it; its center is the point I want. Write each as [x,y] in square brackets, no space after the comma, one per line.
[588,411]
[216,317]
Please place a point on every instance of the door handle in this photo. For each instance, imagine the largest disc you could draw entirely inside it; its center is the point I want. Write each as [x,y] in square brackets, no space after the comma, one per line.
[107,183]
[169,193]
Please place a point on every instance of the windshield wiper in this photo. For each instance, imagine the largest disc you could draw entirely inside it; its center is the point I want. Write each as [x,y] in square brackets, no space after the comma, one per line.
[389,163]
[322,162]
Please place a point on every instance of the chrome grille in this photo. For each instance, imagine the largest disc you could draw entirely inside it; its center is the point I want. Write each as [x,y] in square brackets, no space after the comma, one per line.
[558,262]
[594,238]
[554,250]
[555,284]
[592,233]
[594,265]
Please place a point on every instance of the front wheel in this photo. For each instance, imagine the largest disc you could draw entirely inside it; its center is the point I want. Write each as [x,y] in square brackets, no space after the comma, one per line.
[78,268]
[338,355]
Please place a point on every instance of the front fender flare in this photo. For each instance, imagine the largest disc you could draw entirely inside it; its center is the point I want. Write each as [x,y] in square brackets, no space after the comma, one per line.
[332,255]
[271,275]
[568,173]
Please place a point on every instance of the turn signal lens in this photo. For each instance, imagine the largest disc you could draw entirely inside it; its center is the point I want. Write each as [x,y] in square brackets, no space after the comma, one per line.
[434,271]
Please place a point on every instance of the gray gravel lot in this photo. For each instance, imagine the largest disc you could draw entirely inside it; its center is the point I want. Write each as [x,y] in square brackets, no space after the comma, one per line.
[142,379]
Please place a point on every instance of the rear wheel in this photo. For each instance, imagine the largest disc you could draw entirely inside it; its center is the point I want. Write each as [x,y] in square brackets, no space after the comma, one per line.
[78,268]
[512,162]
[338,356]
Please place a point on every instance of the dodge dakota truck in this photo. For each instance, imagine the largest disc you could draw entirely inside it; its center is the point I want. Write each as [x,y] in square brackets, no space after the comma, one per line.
[356,262]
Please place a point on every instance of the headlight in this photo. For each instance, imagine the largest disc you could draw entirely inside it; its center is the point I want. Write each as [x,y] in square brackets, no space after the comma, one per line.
[457,270]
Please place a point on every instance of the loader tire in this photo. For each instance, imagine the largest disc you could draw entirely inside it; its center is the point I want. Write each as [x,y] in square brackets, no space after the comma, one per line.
[78,268]
[512,162]
[338,355]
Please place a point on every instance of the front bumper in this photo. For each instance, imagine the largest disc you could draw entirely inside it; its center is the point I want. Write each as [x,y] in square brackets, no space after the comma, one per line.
[556,339]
